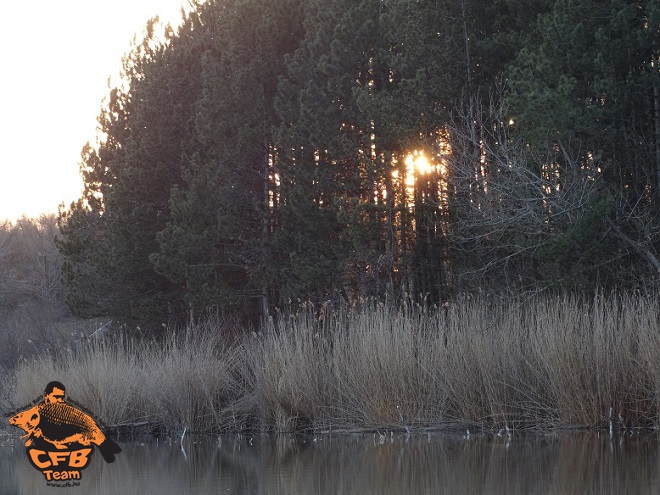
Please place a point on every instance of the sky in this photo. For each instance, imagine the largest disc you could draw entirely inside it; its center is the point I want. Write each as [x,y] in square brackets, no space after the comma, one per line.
[55,61]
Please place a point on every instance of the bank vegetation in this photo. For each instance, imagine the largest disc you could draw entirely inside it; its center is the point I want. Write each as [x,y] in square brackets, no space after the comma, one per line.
[550,362]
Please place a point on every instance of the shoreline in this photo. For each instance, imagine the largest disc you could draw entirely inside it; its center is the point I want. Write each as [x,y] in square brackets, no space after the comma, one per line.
[552,363]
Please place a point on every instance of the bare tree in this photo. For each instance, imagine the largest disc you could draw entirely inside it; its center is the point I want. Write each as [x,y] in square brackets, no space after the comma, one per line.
[11,285]
[32,296]
[638,226]
[510,203]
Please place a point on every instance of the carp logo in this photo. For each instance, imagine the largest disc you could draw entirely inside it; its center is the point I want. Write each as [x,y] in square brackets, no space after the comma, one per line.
[60,438]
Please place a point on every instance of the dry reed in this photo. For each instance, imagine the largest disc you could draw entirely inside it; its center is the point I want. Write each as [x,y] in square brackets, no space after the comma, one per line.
[548,362]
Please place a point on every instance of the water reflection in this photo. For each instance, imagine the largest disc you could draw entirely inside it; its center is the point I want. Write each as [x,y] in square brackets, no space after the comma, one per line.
[566,463]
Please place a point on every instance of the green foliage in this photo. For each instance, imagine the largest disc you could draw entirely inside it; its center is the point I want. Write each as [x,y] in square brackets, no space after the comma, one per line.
[567,260]
[213,246]
[584,83]
[109,236]
[259,155]
[318,139]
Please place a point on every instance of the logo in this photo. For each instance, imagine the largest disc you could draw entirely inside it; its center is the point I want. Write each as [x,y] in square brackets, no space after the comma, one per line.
[60,438]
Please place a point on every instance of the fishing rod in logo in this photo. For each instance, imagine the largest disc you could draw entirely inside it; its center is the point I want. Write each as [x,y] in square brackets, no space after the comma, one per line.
[60,437]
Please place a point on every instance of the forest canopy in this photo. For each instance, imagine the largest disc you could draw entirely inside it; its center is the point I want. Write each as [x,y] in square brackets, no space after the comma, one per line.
[270,151]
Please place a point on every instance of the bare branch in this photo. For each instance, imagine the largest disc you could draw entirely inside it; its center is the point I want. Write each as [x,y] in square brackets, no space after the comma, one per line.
[640,248]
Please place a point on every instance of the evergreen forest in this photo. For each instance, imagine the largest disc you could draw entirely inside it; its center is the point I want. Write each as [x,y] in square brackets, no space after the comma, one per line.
[267,153]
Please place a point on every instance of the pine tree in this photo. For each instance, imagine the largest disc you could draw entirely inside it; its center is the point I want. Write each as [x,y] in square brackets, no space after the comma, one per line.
[214,246]
[582,86]
[110,234]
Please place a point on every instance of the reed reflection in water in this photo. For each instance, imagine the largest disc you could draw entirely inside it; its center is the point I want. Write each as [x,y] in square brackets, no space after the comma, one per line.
[563,463]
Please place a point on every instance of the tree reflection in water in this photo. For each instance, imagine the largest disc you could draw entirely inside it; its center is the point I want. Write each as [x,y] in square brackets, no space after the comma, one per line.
[364,464]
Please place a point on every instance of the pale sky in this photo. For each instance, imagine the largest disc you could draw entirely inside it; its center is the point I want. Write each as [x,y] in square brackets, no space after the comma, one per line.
[55,59]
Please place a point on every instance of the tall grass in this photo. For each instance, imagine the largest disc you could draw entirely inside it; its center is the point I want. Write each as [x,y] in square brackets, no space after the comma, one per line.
[550,362]
[187,380]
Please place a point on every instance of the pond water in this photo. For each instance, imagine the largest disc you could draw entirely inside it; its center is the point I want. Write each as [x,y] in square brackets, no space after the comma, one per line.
[364,464]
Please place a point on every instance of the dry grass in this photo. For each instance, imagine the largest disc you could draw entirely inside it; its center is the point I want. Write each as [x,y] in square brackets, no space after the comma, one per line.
[550,362]
[185,381]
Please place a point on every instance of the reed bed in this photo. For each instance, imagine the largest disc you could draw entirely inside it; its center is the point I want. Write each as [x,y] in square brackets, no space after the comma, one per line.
[185,380]
[550,362]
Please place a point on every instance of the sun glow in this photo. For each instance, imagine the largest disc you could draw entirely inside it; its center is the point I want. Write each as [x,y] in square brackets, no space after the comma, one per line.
[417,162]
[419,165]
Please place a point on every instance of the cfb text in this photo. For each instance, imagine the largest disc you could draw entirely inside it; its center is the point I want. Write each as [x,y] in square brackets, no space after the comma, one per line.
[77,459]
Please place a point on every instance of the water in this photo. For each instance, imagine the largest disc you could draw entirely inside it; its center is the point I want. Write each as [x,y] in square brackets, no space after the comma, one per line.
[364,464]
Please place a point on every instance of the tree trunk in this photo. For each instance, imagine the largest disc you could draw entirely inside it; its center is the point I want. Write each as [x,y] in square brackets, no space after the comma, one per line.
[466,41]
[265,231]
[656,100]
[641,249]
